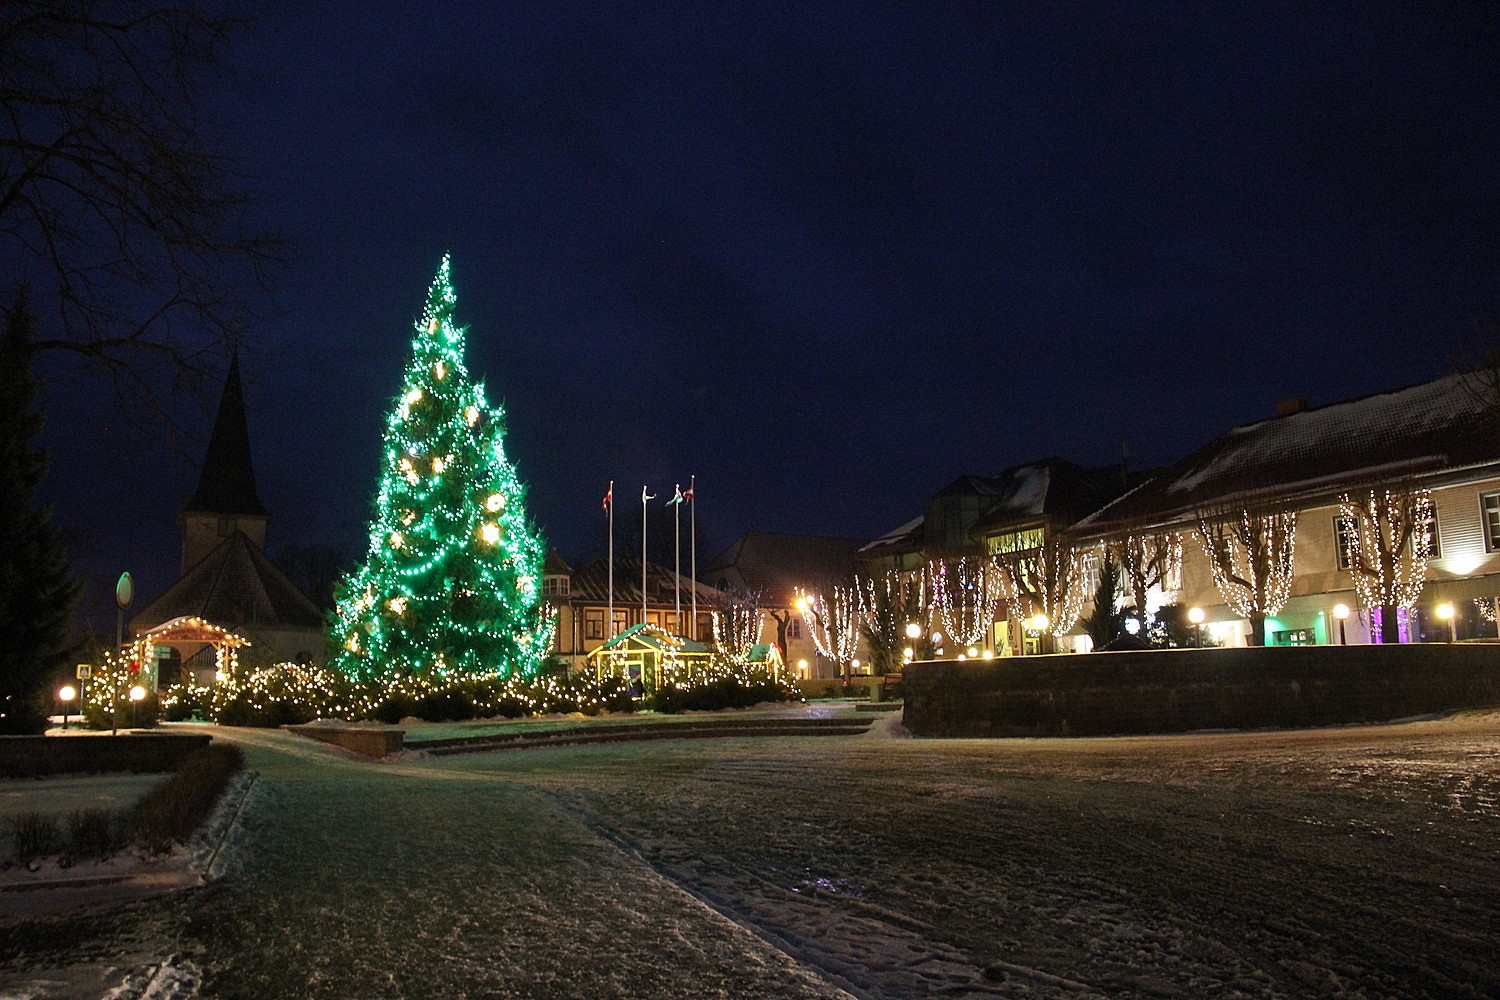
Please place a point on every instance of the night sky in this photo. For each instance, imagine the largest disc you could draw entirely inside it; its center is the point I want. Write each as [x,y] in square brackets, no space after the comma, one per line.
[824,256]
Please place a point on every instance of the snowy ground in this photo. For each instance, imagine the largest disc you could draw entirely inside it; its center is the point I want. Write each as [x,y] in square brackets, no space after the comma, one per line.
[1356,862]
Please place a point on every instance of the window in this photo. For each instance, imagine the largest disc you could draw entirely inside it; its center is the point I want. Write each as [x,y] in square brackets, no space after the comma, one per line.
[593,623]
[794,628]
[555,586]
[1344,536]
[1490,506]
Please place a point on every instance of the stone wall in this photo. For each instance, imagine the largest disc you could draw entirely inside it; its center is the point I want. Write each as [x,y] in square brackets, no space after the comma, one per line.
[368,740]
[1179,690]
[31,756]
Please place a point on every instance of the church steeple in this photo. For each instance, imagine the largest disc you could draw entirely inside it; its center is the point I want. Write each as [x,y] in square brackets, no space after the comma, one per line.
[225,501]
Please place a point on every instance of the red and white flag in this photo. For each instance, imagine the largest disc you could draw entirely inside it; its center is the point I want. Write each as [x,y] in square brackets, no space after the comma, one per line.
[609,496]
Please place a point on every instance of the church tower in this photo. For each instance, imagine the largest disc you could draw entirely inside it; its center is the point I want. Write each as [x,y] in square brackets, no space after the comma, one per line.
[225,501]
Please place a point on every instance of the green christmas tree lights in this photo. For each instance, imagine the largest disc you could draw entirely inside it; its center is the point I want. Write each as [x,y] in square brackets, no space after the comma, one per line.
[451,583]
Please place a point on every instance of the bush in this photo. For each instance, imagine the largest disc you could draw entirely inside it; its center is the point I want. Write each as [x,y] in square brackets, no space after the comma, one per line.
[96,833]
[726,692]
[34,834]
[172,810]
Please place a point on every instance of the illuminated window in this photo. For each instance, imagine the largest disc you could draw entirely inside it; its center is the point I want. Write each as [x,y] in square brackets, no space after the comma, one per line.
[1490,505]
[593,623]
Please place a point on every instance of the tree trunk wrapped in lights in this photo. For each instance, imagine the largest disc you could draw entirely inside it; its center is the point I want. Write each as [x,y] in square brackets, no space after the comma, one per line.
[1148,559]
[1387,550]
[1250,554]
[833,622]
[967,593]
[451,582]
[1053,577]
[888,604]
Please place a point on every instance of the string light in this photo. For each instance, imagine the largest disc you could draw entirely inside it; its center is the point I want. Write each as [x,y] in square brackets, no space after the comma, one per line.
[1387,546]
[1251,558]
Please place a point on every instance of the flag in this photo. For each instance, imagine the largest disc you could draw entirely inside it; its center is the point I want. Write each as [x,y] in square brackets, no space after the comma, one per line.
[609,496]
[689,494]
[646,496]
[677,496]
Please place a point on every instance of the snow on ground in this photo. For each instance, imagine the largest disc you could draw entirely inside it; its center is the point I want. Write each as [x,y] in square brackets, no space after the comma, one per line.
[1352,862]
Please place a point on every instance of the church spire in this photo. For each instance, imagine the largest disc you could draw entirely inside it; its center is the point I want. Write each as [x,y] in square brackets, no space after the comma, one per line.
[227,482]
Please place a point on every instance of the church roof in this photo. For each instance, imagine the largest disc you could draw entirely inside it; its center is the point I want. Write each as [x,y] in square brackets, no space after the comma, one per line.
[236,584]
[227,483]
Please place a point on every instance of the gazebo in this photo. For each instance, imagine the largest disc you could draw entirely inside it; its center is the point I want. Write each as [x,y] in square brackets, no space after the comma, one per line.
[648,656]
[190,630]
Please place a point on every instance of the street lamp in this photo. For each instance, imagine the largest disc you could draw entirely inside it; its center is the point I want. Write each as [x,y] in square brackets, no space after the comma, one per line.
[66,694]
[1445,612]
[1196,616]
[1341,612]
[136,694]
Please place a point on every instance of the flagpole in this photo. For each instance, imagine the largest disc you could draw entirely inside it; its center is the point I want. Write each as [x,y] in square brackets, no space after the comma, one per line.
[677,551]
[609,506]
[644,498]
[693,545]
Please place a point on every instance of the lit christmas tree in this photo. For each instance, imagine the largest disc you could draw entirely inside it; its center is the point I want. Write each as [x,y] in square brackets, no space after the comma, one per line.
[452,580]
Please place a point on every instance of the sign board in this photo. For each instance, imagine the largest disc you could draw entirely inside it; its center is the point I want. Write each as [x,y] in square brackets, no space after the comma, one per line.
[84,671]
[161,652]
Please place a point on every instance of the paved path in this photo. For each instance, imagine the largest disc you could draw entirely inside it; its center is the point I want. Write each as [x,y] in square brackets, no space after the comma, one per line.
[1331,863]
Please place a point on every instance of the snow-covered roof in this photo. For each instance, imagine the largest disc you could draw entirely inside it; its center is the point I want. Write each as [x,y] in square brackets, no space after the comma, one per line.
[1421,432]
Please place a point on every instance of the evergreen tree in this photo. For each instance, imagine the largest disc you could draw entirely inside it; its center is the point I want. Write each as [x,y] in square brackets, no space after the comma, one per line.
[37,587]
[451,582]
[1107,620]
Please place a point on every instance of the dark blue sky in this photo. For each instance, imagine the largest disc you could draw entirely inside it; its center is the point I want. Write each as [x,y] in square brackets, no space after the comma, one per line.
[826,257]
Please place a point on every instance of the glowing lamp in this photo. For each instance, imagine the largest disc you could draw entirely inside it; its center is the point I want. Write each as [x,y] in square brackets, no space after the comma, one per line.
[1196,616]
[913,630]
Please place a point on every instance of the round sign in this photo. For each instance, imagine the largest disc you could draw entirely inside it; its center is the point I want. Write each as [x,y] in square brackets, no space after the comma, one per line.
[124,591]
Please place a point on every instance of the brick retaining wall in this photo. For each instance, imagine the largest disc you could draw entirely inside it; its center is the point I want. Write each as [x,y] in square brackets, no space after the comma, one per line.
[1178,690]
[367,740]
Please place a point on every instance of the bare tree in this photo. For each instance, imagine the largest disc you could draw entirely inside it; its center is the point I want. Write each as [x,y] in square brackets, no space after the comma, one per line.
[737,620]
[888,604]
[1148,559]
[1387,549]
[832,618]
[967,593]
[118,210]
[1250,553]
[1053,577]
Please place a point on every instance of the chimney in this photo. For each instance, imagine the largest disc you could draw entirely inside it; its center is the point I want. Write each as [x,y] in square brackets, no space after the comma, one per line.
[1287,407]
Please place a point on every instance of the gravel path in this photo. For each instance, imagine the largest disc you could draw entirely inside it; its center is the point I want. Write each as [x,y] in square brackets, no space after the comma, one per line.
[1329,863]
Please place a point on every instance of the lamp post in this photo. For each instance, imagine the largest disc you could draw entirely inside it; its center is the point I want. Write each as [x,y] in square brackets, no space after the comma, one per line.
[1196,616]
[1445,612]
[1341,612]
[124,594]
[66,694]
[136,694]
